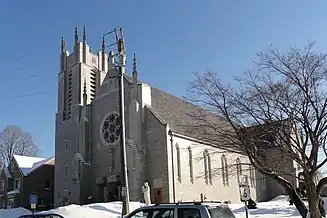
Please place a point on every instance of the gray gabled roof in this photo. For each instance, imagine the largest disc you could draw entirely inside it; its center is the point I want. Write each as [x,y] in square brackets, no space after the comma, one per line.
[176,112]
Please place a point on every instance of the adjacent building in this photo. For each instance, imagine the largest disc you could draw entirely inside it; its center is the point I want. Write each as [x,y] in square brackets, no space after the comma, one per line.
[87,138]
[27,176]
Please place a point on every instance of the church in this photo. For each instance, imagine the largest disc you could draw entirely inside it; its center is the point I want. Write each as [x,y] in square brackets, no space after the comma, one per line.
[176,166]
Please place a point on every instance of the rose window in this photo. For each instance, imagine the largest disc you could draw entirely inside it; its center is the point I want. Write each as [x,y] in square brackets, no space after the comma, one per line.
[111,127]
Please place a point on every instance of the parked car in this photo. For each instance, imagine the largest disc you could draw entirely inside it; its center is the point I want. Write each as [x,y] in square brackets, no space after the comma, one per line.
[43,215]
[184,210]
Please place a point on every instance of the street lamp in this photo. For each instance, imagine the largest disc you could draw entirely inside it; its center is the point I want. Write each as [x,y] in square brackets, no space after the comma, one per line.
[172,163]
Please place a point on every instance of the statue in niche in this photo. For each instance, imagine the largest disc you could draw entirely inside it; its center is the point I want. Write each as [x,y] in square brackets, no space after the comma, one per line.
[146,193]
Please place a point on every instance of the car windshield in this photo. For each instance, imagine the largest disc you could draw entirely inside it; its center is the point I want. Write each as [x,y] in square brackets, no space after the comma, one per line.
[220,212]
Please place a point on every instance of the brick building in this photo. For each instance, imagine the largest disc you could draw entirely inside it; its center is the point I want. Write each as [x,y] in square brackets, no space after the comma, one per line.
[27,176]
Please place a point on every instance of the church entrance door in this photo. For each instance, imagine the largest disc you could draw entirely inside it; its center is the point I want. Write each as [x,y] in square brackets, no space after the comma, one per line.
[100,193]
[158,196]
[113,191]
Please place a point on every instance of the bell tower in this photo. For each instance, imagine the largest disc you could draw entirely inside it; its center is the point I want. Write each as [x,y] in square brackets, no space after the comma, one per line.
[81,66]
[79,80]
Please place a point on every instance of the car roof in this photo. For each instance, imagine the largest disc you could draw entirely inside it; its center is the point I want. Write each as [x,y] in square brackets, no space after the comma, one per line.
[172,206]
[39,215]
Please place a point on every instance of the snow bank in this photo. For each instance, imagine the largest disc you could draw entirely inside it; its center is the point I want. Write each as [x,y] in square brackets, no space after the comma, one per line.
[280,198]
[99,210]
[108,210]
[278,207]
[13,213]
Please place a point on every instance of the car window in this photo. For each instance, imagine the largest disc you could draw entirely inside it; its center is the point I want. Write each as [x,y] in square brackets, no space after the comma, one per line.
[220,212]
[188,213]
[153,213]
[139,214]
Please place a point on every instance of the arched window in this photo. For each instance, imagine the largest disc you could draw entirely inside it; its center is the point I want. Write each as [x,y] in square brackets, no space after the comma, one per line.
[263,182]
[205,161]
[207,167]
[238,170]
[66,170]
[79,170]
[190,161]
[252,176]
[134,159]
[224,167]
[178,154]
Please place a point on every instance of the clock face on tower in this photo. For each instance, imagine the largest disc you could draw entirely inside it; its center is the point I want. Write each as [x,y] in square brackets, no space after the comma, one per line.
[110,129]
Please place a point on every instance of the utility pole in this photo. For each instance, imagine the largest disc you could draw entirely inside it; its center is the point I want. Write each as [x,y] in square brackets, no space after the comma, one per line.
[121,69]
[124,178]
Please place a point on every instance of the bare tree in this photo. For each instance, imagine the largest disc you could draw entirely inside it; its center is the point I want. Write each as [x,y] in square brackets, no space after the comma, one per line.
[14,141]
[278,110]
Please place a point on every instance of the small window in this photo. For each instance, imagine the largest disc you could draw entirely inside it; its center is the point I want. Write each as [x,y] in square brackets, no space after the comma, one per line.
[2,185]
[190,160]
[207,167]
[224,170]
[12,167]
[66,144]
[79,170]
[179,168]
[41,200]
[252,176]
[17,184]
[11,202]
[263,182]
[66,170]
[189,212]
[238,170]
[47,184]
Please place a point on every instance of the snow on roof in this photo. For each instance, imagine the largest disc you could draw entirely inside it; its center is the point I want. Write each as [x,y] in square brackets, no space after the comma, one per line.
[13,192]
[36,165]
[29,164]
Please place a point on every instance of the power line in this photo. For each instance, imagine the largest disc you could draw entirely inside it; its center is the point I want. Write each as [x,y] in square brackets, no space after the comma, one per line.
[32,94]
[20,78]
[27,55]
[29,95]
[22,56]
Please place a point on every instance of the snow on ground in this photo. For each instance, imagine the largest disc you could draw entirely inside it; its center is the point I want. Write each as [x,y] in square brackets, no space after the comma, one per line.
[99,210]
[278,207]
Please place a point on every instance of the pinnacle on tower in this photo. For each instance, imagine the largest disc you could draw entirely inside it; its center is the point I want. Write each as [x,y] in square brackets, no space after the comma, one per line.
[134,73]
[76,35]
[103,44]
[84,34]
[63,44]
[134,63]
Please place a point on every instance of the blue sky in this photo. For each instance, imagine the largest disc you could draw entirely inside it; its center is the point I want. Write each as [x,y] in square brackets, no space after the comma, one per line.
[171,39]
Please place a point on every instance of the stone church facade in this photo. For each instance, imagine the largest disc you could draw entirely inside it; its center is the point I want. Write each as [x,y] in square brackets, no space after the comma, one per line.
[87,145]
